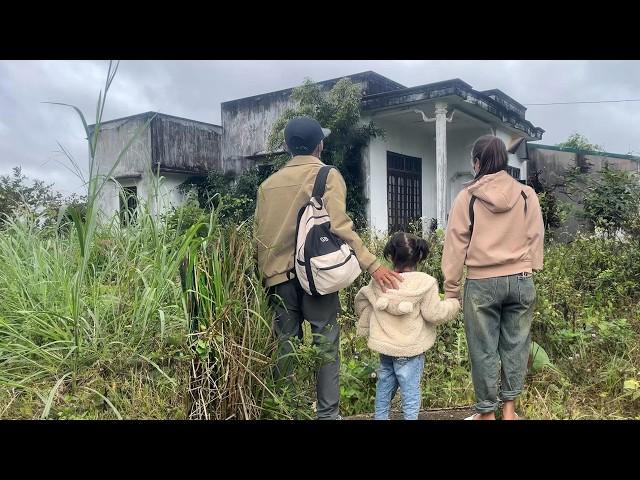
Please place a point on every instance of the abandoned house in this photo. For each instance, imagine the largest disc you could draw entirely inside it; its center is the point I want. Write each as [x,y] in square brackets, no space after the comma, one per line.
[167,147]
[414,172]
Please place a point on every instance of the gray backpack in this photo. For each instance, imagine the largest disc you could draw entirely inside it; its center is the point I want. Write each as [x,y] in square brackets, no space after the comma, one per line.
[323,262]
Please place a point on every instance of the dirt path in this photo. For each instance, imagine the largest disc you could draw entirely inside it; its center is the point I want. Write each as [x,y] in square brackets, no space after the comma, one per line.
[435,414]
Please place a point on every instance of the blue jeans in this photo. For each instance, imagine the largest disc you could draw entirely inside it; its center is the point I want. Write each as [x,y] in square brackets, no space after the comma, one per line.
[403,372]
[497,319]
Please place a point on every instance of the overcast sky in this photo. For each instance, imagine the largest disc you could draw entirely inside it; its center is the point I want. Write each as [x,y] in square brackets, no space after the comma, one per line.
[30,129]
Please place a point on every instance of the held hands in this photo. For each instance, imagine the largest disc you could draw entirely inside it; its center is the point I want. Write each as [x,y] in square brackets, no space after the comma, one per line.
[387,278]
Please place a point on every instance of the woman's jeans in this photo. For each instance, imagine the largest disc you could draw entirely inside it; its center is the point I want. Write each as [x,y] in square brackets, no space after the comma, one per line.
[403,372]
[497,319]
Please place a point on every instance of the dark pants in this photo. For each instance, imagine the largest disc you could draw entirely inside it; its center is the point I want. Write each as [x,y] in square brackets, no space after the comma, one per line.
[294,306]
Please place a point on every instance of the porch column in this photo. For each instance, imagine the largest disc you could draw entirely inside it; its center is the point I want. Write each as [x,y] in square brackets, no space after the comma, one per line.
[441,163]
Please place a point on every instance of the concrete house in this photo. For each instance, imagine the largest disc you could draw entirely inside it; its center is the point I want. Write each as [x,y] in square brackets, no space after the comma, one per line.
[414,172]
[424,159]
[172,148]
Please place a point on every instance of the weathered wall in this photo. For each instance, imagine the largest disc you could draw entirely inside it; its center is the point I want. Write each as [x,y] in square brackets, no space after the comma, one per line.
[181,147]
[247,122]
[112,140]
[166,186]
[185,145]
[459,170]
[134,165]
[553,163]
[246,125]
[420,142]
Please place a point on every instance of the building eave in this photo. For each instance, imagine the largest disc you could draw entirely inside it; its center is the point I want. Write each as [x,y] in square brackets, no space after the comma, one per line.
[540,146]
[355,77]
[147,115]
[451,88]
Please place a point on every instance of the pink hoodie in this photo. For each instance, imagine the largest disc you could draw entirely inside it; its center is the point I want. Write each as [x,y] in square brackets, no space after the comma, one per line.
[506,239]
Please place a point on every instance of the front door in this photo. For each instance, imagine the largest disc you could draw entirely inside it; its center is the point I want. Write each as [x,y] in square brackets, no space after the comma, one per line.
[404,191]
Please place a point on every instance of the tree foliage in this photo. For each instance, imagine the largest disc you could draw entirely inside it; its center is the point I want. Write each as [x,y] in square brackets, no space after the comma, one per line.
[580,142]
[19,193]
[339,110]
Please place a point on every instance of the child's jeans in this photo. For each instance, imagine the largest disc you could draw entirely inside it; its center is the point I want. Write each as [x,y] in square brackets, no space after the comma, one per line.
[403,372]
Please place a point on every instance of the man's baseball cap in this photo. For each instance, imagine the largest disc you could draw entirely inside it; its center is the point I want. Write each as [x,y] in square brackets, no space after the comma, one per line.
[303,134]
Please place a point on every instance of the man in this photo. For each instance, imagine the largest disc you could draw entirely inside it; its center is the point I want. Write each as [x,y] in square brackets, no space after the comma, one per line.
[280,198]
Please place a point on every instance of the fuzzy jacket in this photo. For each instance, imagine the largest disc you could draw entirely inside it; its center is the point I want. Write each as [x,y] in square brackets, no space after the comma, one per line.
[401,323]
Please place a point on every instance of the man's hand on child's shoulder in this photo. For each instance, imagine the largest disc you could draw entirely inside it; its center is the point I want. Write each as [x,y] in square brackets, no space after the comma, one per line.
[387,278]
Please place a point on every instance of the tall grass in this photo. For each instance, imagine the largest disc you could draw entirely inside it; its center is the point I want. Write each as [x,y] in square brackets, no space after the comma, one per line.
[80,298]
[131,308]
[94,313]
[232,341]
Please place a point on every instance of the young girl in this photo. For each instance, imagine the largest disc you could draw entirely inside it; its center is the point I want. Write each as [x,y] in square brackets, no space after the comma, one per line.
[400,324]
[495,229]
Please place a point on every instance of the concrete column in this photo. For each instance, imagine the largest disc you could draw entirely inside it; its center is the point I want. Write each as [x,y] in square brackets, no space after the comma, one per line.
[441,163]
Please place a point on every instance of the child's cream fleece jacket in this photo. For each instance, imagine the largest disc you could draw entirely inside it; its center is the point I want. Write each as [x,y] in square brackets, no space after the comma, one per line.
[401,323]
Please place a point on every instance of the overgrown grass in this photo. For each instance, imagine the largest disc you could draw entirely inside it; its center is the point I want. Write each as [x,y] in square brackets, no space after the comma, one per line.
[587,318]
[132,320]
[167,318]
[153,347]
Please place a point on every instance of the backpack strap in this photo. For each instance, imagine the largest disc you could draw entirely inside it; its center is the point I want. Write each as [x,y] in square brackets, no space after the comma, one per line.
[471,214]
[319,187]
[321,182]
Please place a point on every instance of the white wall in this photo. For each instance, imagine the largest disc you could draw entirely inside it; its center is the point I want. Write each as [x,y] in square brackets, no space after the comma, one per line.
[459,170]
[112,140]
[406,141]
[514,161]
[168,194]
[409,139]
[167,187]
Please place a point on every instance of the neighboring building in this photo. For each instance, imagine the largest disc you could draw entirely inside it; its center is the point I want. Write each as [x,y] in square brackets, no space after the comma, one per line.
[549,164]
[552,162]
[174,147]
[413,172]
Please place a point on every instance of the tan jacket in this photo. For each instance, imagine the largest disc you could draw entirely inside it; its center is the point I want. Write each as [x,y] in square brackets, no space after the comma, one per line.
[505,241]
[401,323]
[280,198]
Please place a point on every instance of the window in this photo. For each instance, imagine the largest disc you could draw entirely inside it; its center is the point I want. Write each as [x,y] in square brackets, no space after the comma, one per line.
[404,191]
[128,205]
[514,172]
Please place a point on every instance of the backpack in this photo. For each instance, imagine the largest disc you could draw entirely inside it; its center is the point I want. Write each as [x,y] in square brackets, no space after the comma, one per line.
[323,262]
[472,214]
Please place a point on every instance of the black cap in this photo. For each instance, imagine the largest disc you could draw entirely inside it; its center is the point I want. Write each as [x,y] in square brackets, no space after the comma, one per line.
[303,134]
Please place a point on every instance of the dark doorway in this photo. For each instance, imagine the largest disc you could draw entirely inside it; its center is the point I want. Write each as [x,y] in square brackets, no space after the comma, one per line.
[128,205]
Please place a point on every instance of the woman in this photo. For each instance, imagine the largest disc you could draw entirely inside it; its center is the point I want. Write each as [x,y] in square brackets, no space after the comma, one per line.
[495,229]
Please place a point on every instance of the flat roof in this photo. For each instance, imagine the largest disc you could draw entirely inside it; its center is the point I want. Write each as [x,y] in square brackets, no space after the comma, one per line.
[458,88]
[158,114]
[585,152]
[369,74]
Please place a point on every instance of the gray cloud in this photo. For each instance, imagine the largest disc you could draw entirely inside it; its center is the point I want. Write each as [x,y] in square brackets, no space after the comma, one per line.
[30,129]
